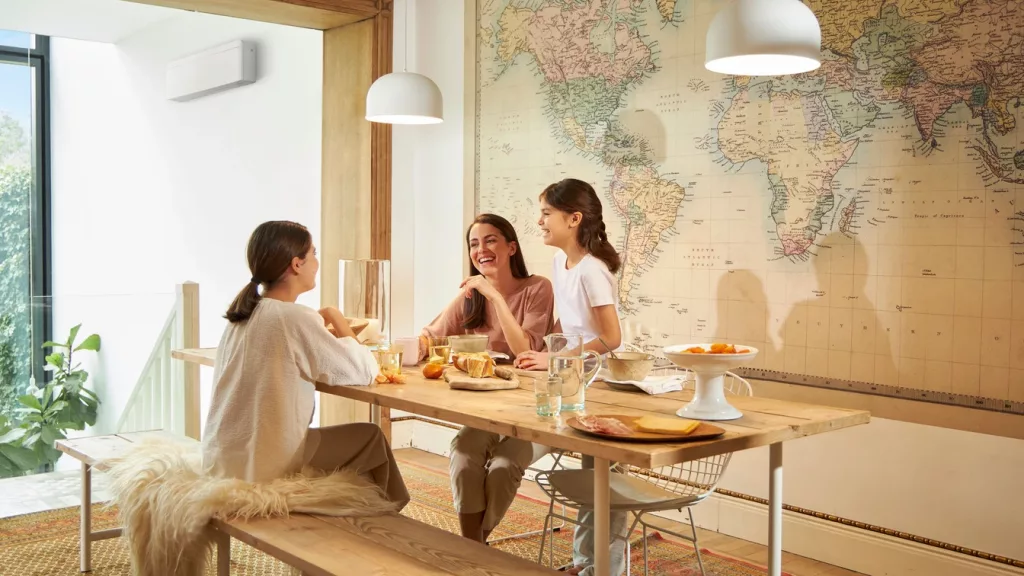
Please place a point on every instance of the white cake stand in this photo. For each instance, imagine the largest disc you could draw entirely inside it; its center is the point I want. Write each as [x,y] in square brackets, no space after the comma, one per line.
[709,401]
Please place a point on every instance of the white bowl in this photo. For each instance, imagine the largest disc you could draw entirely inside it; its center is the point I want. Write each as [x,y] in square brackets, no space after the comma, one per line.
[723,362]
[709,401]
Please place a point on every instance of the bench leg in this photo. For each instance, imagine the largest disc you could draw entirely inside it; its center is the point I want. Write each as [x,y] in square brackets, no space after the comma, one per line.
[223,554]
[85,528]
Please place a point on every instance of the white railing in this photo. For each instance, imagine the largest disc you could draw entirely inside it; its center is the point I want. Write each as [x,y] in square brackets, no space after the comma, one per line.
[166,396]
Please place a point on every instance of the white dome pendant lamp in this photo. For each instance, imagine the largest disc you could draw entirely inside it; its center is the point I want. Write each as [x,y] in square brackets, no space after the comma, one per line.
[763,38]
[404,97]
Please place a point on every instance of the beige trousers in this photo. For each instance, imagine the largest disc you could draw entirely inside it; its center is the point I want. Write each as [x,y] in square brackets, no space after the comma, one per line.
[486,470]
[362,447]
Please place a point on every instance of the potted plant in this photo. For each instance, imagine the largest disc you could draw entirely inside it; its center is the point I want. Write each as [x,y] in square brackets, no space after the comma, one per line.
[47,413]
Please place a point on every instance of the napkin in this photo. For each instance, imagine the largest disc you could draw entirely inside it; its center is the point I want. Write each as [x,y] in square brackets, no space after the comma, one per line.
[659,384]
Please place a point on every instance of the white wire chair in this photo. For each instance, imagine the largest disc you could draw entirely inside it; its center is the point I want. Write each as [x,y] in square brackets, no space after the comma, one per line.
[642,491]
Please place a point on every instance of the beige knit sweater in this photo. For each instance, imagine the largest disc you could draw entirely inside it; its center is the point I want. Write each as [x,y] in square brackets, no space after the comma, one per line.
[263,391]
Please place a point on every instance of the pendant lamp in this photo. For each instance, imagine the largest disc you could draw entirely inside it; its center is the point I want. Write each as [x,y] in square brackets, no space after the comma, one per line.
[404,97]
[763,38]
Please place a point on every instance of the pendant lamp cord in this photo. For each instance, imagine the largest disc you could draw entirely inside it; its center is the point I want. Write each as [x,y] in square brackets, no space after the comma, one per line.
[405,21]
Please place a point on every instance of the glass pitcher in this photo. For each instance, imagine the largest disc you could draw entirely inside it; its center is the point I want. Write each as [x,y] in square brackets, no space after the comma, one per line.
[567,359]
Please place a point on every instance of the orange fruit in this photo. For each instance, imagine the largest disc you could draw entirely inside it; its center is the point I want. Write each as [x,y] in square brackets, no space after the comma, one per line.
[432,371]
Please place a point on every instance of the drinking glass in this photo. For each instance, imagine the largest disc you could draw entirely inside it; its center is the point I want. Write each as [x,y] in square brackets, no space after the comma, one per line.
[441,347]
[548,390]
[389,360]
[364,291]
[567,360]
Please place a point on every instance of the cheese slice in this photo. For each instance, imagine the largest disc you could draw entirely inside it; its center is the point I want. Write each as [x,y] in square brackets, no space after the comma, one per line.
[659,425]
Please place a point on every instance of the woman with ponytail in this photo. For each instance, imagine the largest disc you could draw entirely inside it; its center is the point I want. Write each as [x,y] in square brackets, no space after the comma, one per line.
[585,297]
[270,357]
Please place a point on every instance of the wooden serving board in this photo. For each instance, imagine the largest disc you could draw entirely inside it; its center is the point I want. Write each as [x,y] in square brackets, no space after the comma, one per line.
[704,431]
[459,380]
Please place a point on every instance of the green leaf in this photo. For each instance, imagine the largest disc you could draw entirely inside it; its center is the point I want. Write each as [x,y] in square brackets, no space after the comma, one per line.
[56,359]
[31,402]
[32,439]
[12,436]
[51,344]
[20,457]
[91,343]
[72,336]
[57,406]
[50,435]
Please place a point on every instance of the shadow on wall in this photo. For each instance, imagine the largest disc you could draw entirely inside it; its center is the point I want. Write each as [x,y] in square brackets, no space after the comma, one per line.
[649,124]
[838,333]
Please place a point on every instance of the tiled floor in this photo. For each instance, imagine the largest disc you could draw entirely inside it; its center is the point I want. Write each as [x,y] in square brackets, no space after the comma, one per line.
[42,492]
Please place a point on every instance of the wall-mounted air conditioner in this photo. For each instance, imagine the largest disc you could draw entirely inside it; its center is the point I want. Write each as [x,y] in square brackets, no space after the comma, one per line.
[210,71]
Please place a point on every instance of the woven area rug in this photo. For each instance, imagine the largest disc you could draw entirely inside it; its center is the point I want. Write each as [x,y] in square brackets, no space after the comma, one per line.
[47,543]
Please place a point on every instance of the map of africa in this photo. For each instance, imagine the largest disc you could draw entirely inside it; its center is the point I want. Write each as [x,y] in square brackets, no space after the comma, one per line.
[862,222]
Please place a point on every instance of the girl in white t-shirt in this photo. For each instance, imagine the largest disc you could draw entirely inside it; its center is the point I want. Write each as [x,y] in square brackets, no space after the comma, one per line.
[585,298]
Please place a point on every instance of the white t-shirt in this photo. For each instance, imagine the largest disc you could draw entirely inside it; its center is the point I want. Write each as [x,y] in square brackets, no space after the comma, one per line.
[579,290]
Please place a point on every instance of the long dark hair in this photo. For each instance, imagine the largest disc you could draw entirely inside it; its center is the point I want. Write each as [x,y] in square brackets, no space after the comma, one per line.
[572,195]
[271,249]
[475,308]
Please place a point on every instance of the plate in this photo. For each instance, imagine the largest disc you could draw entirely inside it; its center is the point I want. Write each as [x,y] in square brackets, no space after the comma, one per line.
[621,386]
[704,431]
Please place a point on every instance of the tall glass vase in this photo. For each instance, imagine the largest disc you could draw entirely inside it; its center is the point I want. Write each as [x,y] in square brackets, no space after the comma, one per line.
[364,291]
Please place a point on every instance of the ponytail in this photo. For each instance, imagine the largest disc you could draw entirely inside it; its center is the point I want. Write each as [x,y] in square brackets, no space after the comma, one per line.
[571,196]
[244,304]
[271,249]
[598,245]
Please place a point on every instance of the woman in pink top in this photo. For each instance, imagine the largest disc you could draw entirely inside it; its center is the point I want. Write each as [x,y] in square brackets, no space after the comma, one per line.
[515,310]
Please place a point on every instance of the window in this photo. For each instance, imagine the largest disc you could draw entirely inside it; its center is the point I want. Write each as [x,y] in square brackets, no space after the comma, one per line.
[24,212]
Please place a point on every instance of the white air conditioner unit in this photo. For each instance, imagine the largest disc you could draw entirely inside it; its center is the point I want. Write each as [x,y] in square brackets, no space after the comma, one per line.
[210,71]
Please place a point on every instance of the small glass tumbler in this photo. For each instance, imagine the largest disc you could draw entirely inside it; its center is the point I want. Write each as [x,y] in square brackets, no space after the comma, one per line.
[390,360]
[441,347]
[548,391]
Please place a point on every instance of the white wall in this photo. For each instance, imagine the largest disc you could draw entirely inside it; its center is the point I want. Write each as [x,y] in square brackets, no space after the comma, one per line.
[427,187]
[148,193]
[957,487]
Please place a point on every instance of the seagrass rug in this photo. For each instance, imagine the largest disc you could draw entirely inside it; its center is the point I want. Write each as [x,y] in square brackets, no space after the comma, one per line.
[46,543]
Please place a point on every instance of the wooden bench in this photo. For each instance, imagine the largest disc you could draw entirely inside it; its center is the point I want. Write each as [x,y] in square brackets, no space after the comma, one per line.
[317,545]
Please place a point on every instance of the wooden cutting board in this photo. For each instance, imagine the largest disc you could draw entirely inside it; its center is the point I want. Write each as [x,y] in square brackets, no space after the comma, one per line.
[459,380]
[704,431]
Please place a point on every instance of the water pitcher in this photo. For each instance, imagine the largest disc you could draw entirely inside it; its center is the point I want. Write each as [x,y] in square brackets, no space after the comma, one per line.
[567,360]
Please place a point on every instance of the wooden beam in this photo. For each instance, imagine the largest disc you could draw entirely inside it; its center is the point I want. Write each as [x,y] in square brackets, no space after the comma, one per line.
[380,143]
[316,14]
[346,175]
[380,162]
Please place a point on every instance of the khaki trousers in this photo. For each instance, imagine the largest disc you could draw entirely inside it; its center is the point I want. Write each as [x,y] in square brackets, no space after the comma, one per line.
[360,446]
[486,470]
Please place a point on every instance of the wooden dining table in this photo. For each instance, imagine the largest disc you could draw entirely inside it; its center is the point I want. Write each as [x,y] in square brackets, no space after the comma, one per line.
[765,422]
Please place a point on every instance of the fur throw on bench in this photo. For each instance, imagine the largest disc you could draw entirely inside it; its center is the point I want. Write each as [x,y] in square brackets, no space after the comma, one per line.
[166,503]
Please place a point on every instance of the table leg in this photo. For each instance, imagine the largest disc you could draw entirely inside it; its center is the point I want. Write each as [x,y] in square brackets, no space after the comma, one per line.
[775,509]
[223,554]
[602,515]
[85,526]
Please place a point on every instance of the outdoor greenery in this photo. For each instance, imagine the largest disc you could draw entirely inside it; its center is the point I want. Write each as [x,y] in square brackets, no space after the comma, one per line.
[47,413]
[15,264]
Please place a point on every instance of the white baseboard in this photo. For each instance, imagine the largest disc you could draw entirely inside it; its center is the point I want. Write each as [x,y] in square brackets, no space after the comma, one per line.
[837,544]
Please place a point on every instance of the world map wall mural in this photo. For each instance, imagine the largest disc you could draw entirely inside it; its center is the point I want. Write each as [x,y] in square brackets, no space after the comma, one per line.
[862,224]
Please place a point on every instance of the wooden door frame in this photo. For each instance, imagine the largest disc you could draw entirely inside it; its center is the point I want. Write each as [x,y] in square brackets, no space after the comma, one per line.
[355,153]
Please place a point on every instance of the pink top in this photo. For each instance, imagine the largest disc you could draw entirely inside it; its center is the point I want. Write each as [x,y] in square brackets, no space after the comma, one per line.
[532,305]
